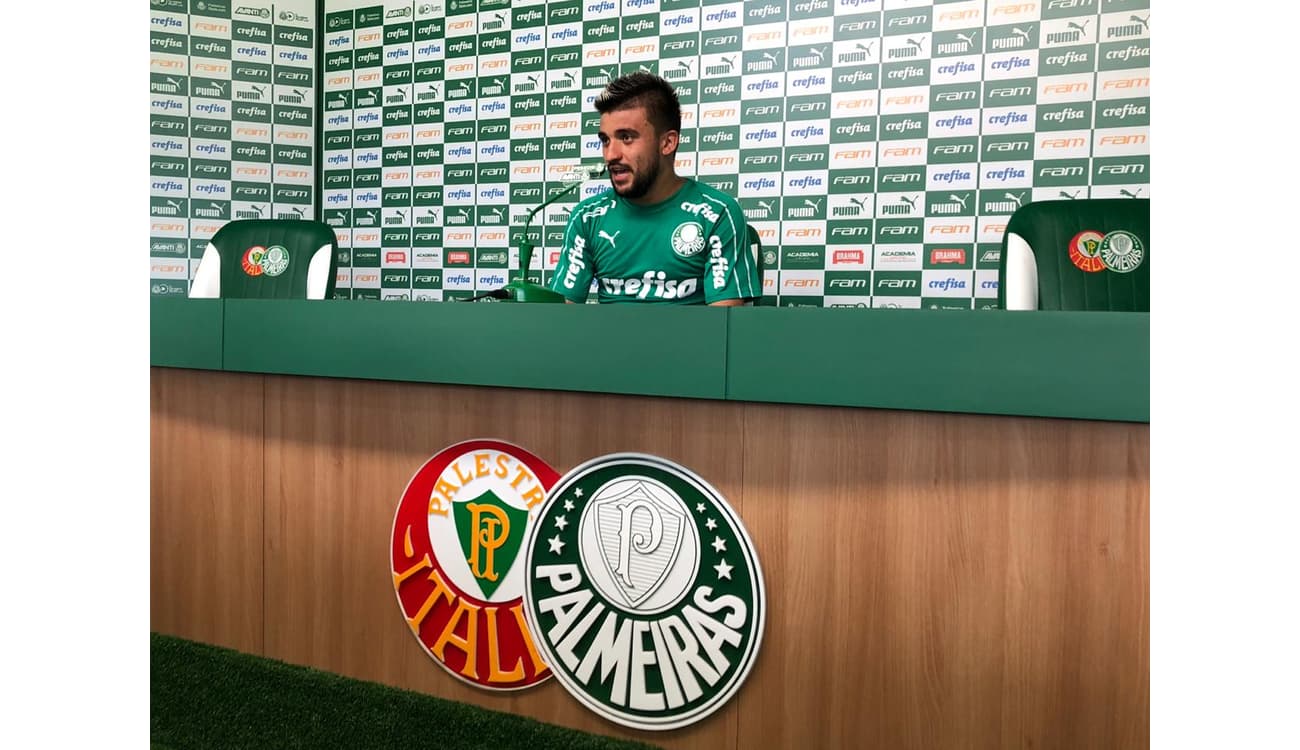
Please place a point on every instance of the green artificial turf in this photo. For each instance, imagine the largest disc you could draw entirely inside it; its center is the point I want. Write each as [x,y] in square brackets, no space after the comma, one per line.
[203,697]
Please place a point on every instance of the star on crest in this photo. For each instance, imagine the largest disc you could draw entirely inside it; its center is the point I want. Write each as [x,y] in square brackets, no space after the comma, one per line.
[724,570]
[557,544]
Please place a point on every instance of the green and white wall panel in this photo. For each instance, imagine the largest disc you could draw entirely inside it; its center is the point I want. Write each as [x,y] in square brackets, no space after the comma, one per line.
[232,103]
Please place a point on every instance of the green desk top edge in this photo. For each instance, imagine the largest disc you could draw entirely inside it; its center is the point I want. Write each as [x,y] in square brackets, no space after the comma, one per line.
[186,333]
[1076,365]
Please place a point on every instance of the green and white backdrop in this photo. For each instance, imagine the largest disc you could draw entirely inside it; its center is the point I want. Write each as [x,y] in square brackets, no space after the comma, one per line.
[232,123]
[878,147]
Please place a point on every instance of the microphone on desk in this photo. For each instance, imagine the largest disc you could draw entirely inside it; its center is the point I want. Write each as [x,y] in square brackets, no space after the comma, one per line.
[521,289]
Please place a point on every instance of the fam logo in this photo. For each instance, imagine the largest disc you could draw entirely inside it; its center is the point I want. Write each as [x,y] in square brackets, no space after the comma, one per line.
[1119,251]
[457,570]
[271,261]
[644,591]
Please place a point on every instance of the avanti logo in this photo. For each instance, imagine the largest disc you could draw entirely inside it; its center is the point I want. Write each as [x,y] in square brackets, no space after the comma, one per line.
[634,549]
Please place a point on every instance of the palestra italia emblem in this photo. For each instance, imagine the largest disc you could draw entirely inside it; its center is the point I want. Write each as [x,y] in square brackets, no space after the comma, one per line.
[458,565]
[644,592]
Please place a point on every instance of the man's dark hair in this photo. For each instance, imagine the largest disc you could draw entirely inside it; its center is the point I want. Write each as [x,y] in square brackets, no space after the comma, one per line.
[642,89]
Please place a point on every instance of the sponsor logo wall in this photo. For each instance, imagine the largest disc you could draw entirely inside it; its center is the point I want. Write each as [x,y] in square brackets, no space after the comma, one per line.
[232,124]
[878,146]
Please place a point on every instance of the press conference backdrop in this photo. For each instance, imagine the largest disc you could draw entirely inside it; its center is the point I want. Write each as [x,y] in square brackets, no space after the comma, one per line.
[232,123]
[878,147]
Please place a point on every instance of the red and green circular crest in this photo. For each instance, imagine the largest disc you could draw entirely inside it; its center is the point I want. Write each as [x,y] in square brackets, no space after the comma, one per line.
[1085,251]
[252,260]
[458,563]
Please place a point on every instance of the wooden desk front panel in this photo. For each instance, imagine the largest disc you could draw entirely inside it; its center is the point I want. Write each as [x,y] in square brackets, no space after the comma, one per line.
[205,510]
[933,580]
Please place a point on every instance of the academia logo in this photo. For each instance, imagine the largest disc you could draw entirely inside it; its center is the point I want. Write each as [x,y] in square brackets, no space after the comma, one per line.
[640,569]
[458,574]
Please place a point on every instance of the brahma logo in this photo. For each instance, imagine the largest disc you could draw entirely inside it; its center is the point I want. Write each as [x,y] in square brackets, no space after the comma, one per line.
[459,528]
[849,257]
[943,255]
[630,550]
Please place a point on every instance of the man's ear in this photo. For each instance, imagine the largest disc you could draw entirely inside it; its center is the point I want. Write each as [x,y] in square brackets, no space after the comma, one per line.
[668,142]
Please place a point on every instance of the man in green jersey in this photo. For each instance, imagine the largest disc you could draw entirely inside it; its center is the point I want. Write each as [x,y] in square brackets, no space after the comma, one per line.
[656,237]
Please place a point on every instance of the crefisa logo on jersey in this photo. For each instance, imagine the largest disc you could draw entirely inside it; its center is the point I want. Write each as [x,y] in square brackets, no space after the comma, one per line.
[458,565]
[644,592]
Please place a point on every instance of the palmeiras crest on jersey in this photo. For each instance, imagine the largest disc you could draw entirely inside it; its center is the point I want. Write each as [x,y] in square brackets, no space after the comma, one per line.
[644,592]
[456,564]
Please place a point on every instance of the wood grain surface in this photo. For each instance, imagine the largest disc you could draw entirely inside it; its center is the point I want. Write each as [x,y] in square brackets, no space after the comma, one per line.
[933,580]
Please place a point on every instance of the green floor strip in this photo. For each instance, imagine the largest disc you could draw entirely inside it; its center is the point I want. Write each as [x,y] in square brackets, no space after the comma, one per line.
[203,697]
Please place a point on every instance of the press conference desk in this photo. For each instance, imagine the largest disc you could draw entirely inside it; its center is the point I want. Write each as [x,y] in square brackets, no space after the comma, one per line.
[950,508]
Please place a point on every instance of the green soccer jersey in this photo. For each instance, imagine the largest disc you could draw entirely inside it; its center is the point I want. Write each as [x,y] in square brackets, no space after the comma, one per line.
[687,250]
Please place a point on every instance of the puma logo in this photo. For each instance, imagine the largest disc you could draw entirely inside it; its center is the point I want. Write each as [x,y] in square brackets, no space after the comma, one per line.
[610,237]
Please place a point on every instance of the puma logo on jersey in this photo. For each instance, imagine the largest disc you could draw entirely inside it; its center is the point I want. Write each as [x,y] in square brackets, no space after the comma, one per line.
[610,237]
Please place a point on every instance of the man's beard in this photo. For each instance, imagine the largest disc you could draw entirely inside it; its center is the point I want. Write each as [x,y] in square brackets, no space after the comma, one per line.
[641,182]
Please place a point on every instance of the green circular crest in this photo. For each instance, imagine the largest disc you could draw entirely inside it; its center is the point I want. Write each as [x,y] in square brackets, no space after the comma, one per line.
[688,239]
[644,592]
[1122,251]
[275,261]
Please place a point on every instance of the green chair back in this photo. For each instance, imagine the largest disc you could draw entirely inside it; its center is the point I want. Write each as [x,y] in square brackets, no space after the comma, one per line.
[1092,254]
[269,259]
